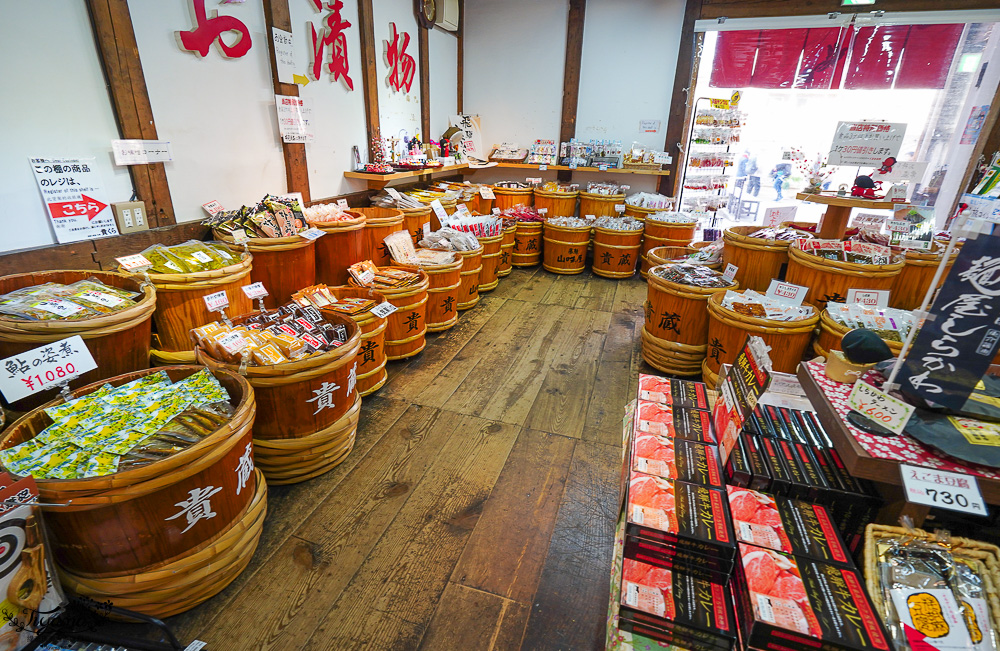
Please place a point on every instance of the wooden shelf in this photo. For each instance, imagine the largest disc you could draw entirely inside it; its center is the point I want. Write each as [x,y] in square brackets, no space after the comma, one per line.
[379,181]
[845,202]
[526,166]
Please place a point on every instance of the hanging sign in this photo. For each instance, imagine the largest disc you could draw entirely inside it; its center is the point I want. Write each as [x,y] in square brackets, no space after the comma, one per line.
[865,144]
[942,489]
[74,195]
[44,367]
[903,171]
[141,152]
[980,207]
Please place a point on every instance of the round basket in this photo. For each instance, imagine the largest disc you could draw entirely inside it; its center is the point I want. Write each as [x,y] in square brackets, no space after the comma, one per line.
[670,357]
[379,224]
[283,264]
[556,204]
[599,205]
[371,355]
[342,246]
[910,286]
[678,313]
[829,280]
[565,249]
[167,358]
[830,333]
[758,260]
[616,253]
[640,213]
[707,376]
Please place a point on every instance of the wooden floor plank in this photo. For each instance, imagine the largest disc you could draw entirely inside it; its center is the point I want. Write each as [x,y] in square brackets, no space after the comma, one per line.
[566,290]
[505,553]
[512,284]
[392,597]
[598,295]
[570,607]
[611,387]
[510,633]
[534,289]
[464,619]
[630,295]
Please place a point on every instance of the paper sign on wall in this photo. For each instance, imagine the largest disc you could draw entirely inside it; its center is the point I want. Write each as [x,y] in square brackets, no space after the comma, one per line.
[865,144]
[284,55]
[472,140]
[141,152]
[74,195]
[649,126]
[294,118]
[774,216]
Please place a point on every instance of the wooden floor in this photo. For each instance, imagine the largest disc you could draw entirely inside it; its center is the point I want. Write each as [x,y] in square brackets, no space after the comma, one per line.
[476,510]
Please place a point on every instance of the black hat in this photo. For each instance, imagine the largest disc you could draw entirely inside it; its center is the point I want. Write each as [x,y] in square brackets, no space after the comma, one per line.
[863,346]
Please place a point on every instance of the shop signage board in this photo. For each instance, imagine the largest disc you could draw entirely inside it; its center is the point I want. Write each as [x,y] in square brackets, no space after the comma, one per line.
[472,130]
[865,144]
[141,152]
[903,171]
[774,216]
[942,489]
[74,195]
[44,367]
[961,335]
[294,118]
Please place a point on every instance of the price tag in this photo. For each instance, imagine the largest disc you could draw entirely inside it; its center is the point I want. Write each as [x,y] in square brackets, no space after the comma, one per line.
[366,276]
[867,219]
[774,216]
[240,236]
[941,489]
[496,211]
[662,158]
[880,407]
[486,192]
[234,343]
[869,297]
[342,203]
[899,226]
[590,217]
[135,262]
[896,194]
[44,367]
[217,301]
[603,167]
[730,272]
[533,181]
[312,233]
[197,645]
[787,292]
[427,229]
[383,310]
[916,244]
[785,383]
[542,168]
[462,208]
[542,211]
[213,207]
[619,207]
[255,290]
[439,210]
[393,193]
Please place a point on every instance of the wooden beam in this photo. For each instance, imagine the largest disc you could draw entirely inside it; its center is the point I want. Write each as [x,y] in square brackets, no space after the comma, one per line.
[369,70]
[683,83]
[425,82]
[712,9]
[461,56]
[276,14]
[571,74]
[116,46]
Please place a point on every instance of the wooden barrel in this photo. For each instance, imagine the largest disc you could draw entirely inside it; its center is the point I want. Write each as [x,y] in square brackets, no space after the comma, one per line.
[119,536]
[616,253]
[829,280]
[657,233]
[342,246]
[640,213]
[527,250]
[490,278]
[565,250]
[670,357]
[510,197]
[477,204]
[727,330]
[407,330]
[919,267]
[472,271]
[830,333]
[660,255]
[379,224]
[556,204]
[443,293]
[507,251]
[710,378]
[283,264]
[180,305]
[119,342]
[758,260]
[414,220]
[371,355]
[599,205]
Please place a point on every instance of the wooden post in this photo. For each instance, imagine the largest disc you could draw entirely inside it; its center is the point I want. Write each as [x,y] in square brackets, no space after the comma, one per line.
[683,86]
[571,76]
[115,39]
[461,56]
[296,170]
[425,83]
[369,72]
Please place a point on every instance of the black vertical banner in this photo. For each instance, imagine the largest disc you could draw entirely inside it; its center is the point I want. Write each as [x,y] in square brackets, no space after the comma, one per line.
[953,350]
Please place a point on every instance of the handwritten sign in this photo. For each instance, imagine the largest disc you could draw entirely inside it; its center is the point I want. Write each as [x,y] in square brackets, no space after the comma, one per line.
[383,310]
[136,262]
[787,292]
[730,272]
[980,207]
[141,152]
[942,489]
[649,126]
[213,207]
[904,171]
[217,301]
[869,297]
[439,210]
[861,220]
[312,233]
[865,143]
[284,55]
[879,407]
[899,226]
[774,216]
[233,342]
[662,158]
[619,207]
[44,367]
[255,290]
[342,203]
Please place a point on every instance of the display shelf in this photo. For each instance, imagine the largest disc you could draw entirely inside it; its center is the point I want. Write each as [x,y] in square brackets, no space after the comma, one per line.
[526,166]
[379,181]
[838,211]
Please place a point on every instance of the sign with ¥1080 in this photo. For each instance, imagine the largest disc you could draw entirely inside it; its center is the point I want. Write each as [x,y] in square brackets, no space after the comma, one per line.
[44,367]
[941,489]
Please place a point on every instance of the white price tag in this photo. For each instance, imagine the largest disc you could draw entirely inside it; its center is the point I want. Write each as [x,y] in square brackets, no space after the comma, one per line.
[572,166]
[383,310]
[367,276]
[427,229]
[941,489]
[867,219]
[785,383]
[542,211]
[107,300]
[135,262]
[787,291]
[44,367]
[603,167]
[896,194]
[217,301]
[255,290]
[619,207]
[197,645]
[233,343]
[312,233]
[542,168]
[439,210]
[899,226]
[590,217]
[342,203]
[496,211]
[730,272]
[879,407]
[201,256]
[916,244]
[661,158]
[240,236]
[486,193]
[213,207]
[462,208]
[533,181]
[868,297]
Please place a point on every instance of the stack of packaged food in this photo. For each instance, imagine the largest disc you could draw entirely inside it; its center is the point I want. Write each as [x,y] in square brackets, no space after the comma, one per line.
[83,299]
[888,323]
[522,213]
[190,257]
[570,222]
[618,223]
[369,275]
[327,213]
[777,234]
[605,187]
[691,274]
[115,429]
[754,304]
[849,251]
[272,217]
[669,217]
[649,200]
[449,239]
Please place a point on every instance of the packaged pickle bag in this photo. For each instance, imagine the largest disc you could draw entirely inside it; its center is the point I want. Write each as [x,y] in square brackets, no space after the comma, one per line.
[47,307]
[163,260]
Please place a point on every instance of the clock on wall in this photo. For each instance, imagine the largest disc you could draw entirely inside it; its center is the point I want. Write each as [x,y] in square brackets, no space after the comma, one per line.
[426,12]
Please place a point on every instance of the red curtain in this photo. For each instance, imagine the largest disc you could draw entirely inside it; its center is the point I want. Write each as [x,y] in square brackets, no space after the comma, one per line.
[928,55]
[778,53]
[734,55]
[823,57]
[875,57]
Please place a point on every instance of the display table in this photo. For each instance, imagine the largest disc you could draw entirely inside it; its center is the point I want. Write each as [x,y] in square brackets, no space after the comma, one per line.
[877,458]
[838,212]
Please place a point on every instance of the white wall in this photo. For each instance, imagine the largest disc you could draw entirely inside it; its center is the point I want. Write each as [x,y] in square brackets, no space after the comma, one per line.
[515,52]
[442,49]
[61,108]
[399,112]
[217,113]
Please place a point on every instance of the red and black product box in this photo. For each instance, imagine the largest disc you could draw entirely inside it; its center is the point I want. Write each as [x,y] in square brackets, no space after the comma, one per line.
[786,525]
[710,568]
[760,479]
[781,479]
[738,472]
[795,603]
[674,422]
[677,393]
[676,608]
[799,487]
[670,458]
[687,517]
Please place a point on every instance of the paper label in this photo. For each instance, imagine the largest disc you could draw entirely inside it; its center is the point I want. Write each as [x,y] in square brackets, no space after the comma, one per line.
[879,407]
[201,256]
[59,307]
[662,158]
[213,207]
[945,490]
[869,297]
[867,219]
[730,272]
[543,211]
[107,300]
[342,203]
[233,343]
[312,233]
[366,277]
[462,208]
[534,181]
[44,367]
[619,207]
[197,645]
[496,211]
[427,227]
[486,192]
[284,55]
[74,195]
[240,236]
[899,226]
[255,290]
[141,152]
[603,167]
[787,292]
[383,310]
[923,245]
[134,262]
[439,210]
[649,126]
[217,301]
[542,168]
